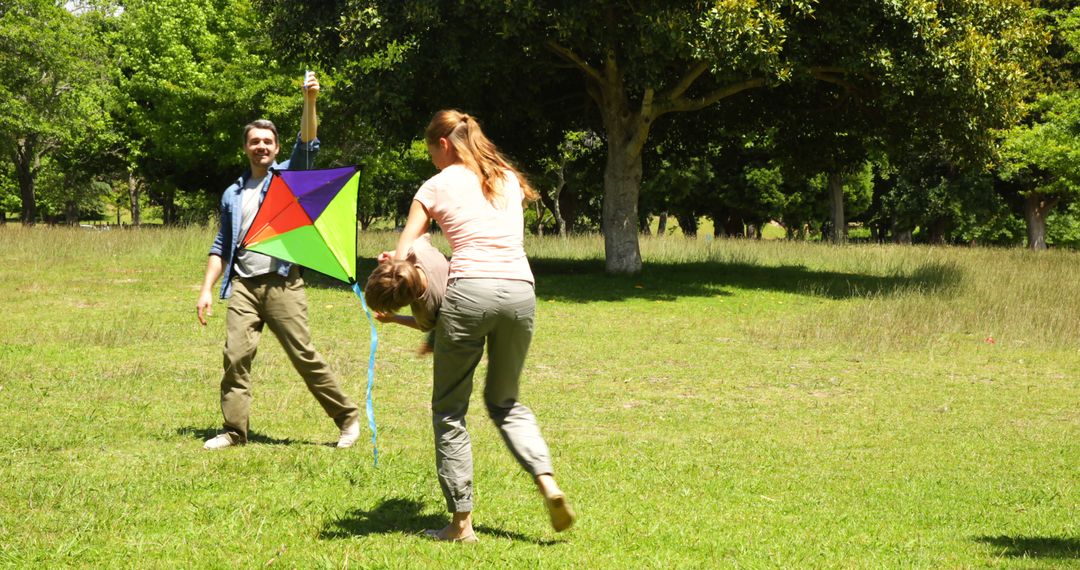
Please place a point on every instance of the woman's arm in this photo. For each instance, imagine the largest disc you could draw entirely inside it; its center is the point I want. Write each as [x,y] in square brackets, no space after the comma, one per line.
[416,225]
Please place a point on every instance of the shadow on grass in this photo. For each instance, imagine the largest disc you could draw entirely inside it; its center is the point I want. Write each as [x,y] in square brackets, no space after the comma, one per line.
[583,281]
[405,516]
[203,434]
[1034,546]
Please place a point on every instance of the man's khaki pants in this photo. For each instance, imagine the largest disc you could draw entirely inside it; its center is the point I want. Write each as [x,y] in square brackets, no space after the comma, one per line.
[280,303]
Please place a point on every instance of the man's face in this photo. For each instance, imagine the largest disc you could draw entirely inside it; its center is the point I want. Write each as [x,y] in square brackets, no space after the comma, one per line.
[261,148]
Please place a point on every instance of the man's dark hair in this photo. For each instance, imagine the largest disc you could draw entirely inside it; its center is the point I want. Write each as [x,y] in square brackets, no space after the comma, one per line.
[260,124]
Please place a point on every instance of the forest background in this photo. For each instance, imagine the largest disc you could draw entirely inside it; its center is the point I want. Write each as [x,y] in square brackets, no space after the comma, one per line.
[879,120]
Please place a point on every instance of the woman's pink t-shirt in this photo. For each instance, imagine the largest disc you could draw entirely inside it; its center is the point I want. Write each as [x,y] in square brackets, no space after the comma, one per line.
[487,240]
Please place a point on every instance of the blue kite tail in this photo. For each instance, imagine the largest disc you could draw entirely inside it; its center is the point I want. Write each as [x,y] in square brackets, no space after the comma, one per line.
[370,375]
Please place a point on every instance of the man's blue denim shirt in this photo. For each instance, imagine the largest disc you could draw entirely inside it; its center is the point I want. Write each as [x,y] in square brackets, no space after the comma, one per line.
[228,237]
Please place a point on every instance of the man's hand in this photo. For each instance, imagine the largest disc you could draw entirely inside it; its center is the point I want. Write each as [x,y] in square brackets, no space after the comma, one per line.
[204,306]
[311,85]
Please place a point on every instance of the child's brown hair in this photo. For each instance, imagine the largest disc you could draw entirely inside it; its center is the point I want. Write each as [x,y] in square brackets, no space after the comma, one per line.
[393,285]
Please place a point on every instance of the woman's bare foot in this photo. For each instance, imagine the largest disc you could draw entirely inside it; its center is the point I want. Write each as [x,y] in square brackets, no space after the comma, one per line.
[562,516]
[459,530]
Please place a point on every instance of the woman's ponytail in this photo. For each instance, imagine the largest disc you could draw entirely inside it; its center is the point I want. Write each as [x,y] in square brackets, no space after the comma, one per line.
[477,153]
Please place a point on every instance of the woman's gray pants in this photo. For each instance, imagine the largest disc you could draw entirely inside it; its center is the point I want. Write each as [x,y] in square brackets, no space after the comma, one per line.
[498,312]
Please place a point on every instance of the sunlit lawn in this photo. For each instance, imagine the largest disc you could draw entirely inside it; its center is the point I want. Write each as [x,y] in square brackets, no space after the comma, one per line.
[738,404]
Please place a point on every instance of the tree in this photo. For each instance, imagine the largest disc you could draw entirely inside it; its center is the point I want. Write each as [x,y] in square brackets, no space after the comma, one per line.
[388,180]
[193,72]
[957,64]
[55,83]
[920,196]
[1044,159]
[1041,155]
[9,190]
[574,146]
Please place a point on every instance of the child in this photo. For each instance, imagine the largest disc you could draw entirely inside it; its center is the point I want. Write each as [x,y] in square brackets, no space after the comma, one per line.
[419,281]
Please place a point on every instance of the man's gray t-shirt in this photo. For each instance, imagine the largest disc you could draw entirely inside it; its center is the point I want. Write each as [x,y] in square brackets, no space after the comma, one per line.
[252,263]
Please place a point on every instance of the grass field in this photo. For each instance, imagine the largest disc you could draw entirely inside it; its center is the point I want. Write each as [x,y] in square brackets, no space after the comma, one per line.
[738,405]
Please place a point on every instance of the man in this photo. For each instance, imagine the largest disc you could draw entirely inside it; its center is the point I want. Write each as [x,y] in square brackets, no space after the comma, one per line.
[266,290]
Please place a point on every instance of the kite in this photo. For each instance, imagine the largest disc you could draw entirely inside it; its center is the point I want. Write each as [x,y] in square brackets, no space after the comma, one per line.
[308,217]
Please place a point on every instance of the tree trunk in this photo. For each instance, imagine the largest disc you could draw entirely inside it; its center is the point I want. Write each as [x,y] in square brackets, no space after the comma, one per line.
[556,209]
[539,218]
[661,224]
[134,190]
[644,225]
[71,213]
[168,206]
[836,194]
[937,230]
[552,202]
[877,232]
[688,225]
[1036,208]
[622,184]
[26,165]
[733,226]
[560,223]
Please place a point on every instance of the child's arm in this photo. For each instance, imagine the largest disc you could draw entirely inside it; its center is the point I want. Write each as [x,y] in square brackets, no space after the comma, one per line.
[398,319]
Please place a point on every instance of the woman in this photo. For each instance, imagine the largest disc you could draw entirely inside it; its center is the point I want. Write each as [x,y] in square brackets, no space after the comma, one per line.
[477,200]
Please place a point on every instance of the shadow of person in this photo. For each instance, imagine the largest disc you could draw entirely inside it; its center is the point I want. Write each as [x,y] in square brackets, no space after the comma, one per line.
[392,515]
[502,533]
[204,434]
[404,516]
[1034,546]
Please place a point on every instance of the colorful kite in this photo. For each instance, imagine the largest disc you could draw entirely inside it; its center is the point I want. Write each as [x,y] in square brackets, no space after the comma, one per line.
[308,217]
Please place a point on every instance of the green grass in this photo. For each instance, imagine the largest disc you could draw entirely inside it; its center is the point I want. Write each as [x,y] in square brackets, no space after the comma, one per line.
[739,404]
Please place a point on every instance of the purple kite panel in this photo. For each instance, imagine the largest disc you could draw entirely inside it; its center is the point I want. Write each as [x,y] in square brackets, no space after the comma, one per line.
[315,189]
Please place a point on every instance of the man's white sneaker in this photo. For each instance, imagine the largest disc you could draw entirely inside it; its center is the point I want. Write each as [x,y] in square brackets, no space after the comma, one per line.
[219,441]
[349,434]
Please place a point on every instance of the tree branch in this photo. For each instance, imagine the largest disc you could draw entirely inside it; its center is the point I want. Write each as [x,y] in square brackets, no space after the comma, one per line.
[573,58]
[829,69]
[683,104]
[691,76]
[834,78]
[647,104]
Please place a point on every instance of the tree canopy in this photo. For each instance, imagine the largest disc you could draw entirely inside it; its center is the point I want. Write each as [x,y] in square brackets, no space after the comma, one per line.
[951,72]
[921,121]
[55,97]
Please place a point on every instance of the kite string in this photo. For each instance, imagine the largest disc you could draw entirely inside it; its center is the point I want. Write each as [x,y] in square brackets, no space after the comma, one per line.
[370,410]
